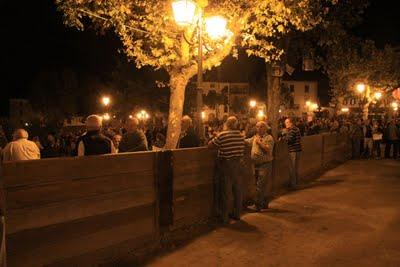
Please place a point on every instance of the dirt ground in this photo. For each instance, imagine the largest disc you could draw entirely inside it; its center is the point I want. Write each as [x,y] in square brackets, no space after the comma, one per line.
[349,217]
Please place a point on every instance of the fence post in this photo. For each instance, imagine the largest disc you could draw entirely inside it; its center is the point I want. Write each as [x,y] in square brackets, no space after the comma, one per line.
[164,163]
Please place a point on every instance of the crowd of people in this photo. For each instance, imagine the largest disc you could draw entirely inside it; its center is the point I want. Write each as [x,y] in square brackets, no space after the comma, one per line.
[229,136]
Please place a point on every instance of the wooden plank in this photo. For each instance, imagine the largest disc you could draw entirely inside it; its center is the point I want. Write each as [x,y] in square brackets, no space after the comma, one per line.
[21,219]
[194,202]
[182,168]
[194,155]
[65,190]
[46,245]
[41,171]
[189,181]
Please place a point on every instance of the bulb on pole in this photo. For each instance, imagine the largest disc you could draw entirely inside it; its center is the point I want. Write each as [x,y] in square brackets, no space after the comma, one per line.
[184,11]
[216,27]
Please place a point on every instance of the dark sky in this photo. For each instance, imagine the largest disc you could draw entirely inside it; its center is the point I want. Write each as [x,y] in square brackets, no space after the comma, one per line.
[35,39]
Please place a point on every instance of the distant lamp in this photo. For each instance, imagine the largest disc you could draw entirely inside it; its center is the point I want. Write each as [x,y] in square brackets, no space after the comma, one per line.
[216,27]
[130,117]
[203,115]
[345,110]
[314,106]
[142,115]
[378,95]
[184,11]
[260,114]
[361,88]
[395,106]
[106,100]
[106,117]
[253,103]
[308,103]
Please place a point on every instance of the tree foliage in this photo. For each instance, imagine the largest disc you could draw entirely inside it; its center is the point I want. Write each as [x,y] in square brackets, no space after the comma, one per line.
[150,36]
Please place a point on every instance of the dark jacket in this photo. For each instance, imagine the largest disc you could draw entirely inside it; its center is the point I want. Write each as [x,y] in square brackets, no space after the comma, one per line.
[293,139]
[189,139]
[95,143]
[133,142]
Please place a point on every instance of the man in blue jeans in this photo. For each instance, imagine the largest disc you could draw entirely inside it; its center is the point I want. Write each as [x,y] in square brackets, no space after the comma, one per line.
[292,137]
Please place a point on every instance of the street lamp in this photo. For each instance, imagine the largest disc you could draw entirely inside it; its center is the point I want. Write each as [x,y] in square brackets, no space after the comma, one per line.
[142,115]
[361,88]
[184,14]
[184,11]
[106,117]
[345,110]
[106,100]
[308,103]
[253,103]
[378,95]
[260,114]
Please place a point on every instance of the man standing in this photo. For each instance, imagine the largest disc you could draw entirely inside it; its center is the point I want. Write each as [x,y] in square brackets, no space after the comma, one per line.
[188,137]
[93,142]
[293,138]
[392,139]
[262,147]
[357,138]
[134,139]
[368,141]
[230,144]
[20,148]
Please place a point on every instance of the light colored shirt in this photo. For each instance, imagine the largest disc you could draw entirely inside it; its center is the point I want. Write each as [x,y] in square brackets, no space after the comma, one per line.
[22,149]
[259,155]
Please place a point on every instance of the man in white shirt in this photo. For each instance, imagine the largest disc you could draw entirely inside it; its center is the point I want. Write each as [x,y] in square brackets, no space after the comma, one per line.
[262,147]
[20,148]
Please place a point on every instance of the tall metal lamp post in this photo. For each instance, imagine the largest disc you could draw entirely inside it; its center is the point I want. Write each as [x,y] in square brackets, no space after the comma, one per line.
[185,13]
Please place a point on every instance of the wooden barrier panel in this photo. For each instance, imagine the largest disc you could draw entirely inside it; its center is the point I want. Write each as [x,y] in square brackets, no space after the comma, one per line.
[281,166]
[193,194]
[70,209]
[311,156]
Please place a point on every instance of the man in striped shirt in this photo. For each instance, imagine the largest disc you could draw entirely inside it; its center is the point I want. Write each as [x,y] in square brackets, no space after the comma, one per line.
[230,144]
[293,138]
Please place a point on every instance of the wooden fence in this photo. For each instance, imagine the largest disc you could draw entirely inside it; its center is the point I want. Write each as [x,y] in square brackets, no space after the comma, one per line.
[99,210]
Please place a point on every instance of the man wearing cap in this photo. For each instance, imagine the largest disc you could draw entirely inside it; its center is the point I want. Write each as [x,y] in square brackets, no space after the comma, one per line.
[21,148]
[93,142]
[262,147]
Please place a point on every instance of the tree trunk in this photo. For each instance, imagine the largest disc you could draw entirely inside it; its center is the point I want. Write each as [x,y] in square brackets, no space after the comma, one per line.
[178,84]
[365,111]
[273,102]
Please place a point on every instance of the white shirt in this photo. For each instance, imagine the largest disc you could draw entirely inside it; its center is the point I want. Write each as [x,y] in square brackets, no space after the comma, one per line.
[22,149]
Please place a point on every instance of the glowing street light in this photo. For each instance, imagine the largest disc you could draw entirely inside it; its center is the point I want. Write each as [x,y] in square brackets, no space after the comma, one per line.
[216,27]
[360,87]
[142,115]
[308,103]
[395,106]
[106,117]
[106,100]
[260,114]
[203,115]
[314,106]
[184,11]
[345,110]
[130,117]
[253,103]
[378,95]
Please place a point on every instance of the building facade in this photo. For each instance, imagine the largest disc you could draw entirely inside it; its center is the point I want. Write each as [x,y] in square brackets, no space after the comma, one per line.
[303,97]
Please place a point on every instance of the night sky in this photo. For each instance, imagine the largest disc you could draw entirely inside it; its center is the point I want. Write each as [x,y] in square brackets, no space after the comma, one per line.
[34,39]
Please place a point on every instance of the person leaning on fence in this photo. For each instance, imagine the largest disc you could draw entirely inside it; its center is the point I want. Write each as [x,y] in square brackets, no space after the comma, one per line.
[20,148]
[292,137]
[262,147]
[93,142]
[134,139]
[188,137]
[230,145]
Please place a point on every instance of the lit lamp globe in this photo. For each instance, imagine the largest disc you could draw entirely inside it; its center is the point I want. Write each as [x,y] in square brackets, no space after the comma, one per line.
[106,117]
[378,95]
[184,11]
[106,101]
[395,106]
[203,115]
[253,103]
[360,87]
[216,27]
[308,103]
[260,114]
[345,110]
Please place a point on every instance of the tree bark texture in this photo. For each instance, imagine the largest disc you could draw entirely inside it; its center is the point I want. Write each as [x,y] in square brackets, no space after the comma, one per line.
[273,103]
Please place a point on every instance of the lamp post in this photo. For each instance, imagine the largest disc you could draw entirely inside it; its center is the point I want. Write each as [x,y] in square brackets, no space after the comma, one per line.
[184,14]
[106,101]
